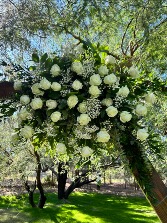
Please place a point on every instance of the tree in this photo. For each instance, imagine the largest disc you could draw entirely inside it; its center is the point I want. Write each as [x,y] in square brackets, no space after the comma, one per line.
[20,160]
[130,27]
[75,133]
[139,33]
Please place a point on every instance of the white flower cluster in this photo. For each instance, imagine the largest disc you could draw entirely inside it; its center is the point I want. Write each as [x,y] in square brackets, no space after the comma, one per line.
[91,95]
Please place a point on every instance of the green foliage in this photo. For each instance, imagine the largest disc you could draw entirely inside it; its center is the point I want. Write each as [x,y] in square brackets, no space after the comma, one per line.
[35,57]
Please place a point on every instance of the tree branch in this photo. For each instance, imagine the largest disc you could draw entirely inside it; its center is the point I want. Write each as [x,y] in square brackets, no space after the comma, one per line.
[80,184]
[123,37]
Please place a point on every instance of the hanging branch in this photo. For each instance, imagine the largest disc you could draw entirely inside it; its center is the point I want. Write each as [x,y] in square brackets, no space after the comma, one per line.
[123,37]
[75,36]
[157,26]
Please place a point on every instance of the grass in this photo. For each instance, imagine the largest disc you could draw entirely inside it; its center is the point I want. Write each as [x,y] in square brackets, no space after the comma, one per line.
[81,207]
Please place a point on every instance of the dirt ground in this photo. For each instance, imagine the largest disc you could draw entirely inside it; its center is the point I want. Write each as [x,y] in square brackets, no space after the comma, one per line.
[116,189]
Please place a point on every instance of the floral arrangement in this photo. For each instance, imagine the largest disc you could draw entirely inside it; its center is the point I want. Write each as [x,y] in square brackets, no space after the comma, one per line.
[81,104]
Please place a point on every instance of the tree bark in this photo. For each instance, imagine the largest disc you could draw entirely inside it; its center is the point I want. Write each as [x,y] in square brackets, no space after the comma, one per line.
[30,194]
[149,181]
[76,184]
[61,178]
[42,198]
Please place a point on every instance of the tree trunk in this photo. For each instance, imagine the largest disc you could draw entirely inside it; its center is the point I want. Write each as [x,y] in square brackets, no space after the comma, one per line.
[69,190]
[149,181]
[76,184]
[61,178]
[42,198]
[30,194]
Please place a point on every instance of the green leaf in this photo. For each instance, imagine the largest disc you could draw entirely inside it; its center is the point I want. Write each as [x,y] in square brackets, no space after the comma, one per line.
[31,68]
[48,63]
[73,93]
[35,57]
[65,114]
[43,58]
[102,113]
[62,104]
[81,98]
[54,95]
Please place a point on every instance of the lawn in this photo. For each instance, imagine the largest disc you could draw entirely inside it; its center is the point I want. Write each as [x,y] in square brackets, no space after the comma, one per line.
[81,207]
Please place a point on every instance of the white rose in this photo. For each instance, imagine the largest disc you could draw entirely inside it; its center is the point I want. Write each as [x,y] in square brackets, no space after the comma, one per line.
[17,85]
[77,67]
[111,111]
[83,119]
[110,60]
[55,70]
[82,108]
[95,80]
[123,91]
[23,114]
[61,148]
[45,84]
[35,89]
[77,85]
[86,151]
[133,72]
[51,104]
[55,116]
[125,116]
[142,134]
[72,101]
[110,79]
[27,132]
[36,103]
[24,99]
[103,136]
[56,86]
[103,70]
[150,98]
[141,110]
[94,91]
[14,137]
[79,48]
[107,102]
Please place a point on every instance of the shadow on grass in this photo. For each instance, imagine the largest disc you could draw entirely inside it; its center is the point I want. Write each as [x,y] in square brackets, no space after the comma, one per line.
[81,207]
